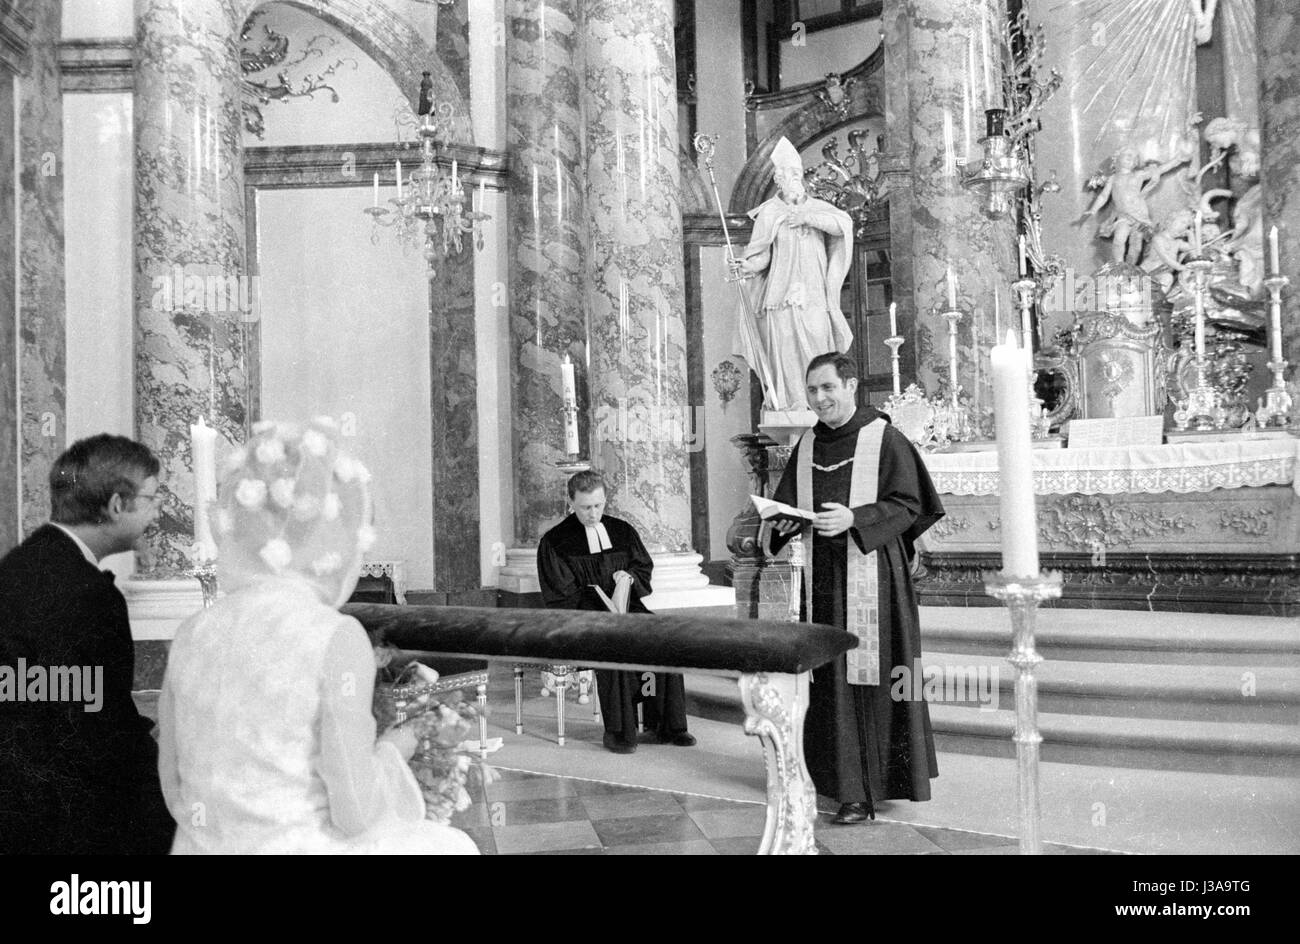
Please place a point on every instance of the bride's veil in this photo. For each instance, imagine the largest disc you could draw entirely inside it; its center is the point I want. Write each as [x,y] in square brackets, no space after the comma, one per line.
[293,504]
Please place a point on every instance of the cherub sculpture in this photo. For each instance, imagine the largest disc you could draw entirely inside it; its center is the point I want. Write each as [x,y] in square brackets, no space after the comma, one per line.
[1126,189]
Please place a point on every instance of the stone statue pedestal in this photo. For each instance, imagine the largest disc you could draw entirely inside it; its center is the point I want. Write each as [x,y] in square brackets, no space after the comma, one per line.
[762,584]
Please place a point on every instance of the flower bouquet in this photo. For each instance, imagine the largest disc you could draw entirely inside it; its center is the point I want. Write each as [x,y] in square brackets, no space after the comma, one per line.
[440,722]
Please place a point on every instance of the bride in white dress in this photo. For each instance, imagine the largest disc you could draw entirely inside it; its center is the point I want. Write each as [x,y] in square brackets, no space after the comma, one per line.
[267,742]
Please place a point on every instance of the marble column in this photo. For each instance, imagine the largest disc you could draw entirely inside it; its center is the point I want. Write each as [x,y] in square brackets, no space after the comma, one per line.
[634,271]
[1279,114]
[10,513]
[546,248]
[195,301]
[42,351]
[952,75]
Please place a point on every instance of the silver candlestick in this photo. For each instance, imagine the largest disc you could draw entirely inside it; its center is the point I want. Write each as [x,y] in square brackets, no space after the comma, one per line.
[894,344]
[1203,401]
[1275,411]
[1025,288]
[1021,595]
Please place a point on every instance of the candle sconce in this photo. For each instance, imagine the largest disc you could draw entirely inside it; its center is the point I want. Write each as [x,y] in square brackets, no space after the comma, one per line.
[1203,409]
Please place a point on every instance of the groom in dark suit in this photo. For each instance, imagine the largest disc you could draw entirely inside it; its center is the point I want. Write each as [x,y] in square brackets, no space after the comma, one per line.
[78,766]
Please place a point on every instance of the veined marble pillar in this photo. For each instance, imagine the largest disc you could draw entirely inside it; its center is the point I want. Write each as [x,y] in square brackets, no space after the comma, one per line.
[546,246]
[13,49]
[635,278]
[41,348]
[952,75]
[195,302]
[1279,114]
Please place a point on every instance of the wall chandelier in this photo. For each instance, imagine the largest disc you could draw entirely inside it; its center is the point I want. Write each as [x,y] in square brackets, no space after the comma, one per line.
[429,207]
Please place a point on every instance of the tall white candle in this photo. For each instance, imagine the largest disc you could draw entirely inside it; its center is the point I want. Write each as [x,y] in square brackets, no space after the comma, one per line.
[375,199]
[997,312]
[1015,460]
[203,446]
[952,290]
[482,193]
[1274,266]
[570,406]
[455,174]
[893,319]
[399,180]
[1024,268]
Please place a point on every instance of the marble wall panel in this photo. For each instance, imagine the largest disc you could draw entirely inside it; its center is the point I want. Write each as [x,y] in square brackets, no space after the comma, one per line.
[1279,112]
[189,220]
[635,294]
[454,416]
[42,309]
[546,229]
[9,411]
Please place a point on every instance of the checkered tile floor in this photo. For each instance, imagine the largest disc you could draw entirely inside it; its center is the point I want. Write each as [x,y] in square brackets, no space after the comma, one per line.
[537,814]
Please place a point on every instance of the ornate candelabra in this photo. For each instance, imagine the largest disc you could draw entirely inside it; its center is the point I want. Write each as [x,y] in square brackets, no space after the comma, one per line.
[1275,411]
[1003,172]
[1021,595]
[430,204]
[1202,410]
[856,192]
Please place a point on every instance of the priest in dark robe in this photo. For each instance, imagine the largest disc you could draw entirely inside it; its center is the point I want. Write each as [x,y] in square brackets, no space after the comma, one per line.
[590,549]
[873,498]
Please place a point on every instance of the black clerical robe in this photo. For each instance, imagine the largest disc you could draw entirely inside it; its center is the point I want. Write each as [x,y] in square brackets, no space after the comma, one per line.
[567,571]
[71,780]
[860,744]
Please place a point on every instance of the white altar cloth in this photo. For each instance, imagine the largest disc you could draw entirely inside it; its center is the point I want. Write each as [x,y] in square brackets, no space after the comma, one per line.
[1184,467]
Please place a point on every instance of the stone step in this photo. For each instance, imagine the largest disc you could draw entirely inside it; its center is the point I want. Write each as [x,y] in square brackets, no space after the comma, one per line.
[1258,695]
[1113,636]
[1147,743]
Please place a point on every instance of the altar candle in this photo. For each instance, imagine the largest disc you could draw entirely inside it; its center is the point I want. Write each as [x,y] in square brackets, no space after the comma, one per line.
[997,312]
[893,319]
[455,175]
[1024,268]
[375,201]
[1015,460]
[570,406]
[482,193]
[399,180]
[952,290]
[203,446]
[1274,267]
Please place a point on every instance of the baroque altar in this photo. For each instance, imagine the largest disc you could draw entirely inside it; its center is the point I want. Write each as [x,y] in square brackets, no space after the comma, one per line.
[1206,527]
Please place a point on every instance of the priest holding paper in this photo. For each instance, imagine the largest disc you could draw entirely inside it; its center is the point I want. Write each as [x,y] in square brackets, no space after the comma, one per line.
[592,561]
[873,498]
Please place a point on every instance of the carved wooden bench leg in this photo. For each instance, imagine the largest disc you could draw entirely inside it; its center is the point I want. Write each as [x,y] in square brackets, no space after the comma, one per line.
[775,705]
[519,699]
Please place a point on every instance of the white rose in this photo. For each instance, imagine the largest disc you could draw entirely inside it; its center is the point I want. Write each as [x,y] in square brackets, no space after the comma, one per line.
[326,564]
[236,459]
[331,507]
[251,493]
[306,507]
[315,443]
[282,492]
[270,451]
[365,538]
[276,554]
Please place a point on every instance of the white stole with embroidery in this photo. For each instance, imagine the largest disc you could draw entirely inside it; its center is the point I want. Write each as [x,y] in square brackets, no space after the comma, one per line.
[863,590]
